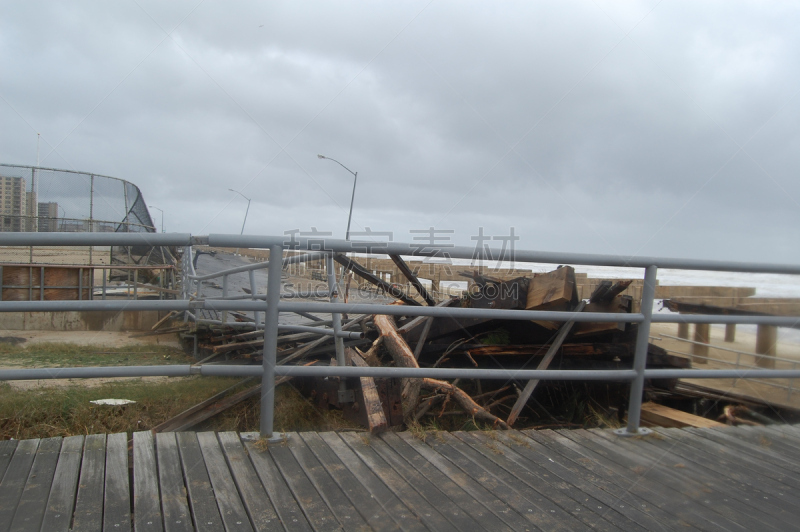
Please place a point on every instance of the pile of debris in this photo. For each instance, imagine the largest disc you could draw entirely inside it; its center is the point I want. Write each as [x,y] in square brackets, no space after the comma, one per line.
[380,340]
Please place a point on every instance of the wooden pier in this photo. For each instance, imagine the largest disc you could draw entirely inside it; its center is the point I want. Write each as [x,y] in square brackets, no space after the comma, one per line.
[706,479]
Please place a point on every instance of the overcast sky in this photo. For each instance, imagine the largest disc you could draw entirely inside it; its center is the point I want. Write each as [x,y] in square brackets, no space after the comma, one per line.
[649,128]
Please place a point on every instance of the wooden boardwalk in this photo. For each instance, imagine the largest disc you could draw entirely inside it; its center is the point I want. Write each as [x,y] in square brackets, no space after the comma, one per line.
[708,479]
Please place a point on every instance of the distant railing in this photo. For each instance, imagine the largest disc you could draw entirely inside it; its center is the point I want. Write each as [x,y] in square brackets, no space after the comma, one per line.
[270,304]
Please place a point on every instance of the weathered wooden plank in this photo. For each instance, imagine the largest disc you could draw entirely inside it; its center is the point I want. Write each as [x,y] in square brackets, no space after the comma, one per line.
[711,505]
[600,495]
[331,493]
[542,490]
[306,495]
[256,501]
[664,416]
[275,485]
[722,465]
[359,270]
[538,510]
[60,502]
[88,513]
[406,271]
[7,448]
[753,502]
[555,290]
[201,495]
[476,508]
[632,486]
[373,409]
[231,509]
[423,498]
[14,480]
[33,501]
[755,445]
[146,503]
[117,504]
[360,484]
[174,506]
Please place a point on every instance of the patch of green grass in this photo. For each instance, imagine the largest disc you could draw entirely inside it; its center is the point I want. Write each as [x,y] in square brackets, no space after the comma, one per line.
[63,354]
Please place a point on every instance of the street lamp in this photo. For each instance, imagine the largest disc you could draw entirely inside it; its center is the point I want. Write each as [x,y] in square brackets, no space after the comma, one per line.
[245,212]
[162,216]
[63,216]
[352,198]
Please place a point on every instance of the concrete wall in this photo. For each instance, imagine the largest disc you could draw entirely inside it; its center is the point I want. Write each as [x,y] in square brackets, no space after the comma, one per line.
[79,321]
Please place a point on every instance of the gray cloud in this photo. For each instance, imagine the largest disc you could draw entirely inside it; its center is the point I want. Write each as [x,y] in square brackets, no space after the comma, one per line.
[650,128]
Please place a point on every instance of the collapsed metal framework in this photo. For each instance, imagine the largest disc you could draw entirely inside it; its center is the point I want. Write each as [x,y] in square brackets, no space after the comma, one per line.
[271,305]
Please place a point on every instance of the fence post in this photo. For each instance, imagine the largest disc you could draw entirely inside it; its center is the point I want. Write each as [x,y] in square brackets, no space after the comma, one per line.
[256,314]
[640,357]
[270,342]
[336,318]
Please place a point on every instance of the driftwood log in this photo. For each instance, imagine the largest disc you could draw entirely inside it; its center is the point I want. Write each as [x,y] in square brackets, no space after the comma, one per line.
[466,402]
[403,357]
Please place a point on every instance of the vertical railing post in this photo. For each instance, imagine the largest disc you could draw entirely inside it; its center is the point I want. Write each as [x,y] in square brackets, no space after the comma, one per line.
[256,314]
[224,295]
[270,341]
[336,318]
[640,356]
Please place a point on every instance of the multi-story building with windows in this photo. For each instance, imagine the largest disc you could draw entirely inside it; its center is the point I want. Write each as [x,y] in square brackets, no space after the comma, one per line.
[48,217]
[13,204]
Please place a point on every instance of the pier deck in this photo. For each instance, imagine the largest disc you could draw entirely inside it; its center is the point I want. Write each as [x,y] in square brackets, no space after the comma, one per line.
[708,479]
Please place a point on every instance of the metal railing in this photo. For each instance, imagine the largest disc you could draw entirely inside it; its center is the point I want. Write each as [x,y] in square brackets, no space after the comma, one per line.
[271,305]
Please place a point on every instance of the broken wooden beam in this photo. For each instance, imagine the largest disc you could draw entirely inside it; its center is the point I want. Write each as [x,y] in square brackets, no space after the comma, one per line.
[545,362]
[373,409]
[406,271]
[664,416]
[359,270]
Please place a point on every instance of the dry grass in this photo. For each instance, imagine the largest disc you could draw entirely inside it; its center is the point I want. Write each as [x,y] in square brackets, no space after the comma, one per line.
[64,354]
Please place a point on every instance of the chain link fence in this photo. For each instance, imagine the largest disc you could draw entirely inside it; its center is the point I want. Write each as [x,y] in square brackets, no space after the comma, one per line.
[34,199]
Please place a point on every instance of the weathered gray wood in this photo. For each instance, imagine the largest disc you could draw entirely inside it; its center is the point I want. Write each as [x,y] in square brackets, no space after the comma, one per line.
[146,500]
[14,480]
[306,495]
[174,506]
[88,514]
[539,510]
[431,506]
[287,508]
[231,509]
[406,271]
[117,505]
[7,448]
[331,493]
[32,503]
[201,495]
[361,485]
[58,515]
[256,501]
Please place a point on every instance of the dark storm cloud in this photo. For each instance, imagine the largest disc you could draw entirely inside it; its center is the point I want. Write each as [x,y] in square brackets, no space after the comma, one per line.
[651,128]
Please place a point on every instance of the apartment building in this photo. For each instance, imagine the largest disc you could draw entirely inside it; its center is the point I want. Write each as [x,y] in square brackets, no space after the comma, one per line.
[13,204]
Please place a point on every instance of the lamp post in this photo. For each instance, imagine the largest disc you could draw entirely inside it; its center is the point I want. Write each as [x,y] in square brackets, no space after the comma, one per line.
[63,216]
[245,212]
[162,216]
[352,198]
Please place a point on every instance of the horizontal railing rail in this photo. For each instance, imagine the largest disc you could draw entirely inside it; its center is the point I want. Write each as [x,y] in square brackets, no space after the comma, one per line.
[191,302]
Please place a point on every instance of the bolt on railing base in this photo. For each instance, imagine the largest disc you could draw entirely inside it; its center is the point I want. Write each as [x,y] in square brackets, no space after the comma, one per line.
[276,437]
[641,431]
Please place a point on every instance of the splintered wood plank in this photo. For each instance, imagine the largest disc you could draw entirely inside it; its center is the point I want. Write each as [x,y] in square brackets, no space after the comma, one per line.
[429,499]
[373,409]
[356,482]
[275,485]
[331,493]
[256,501]
[664,416]
[555,290]
[58,515]
[318,513]
[14,480]
[146,504]
[89,502]
[33,501]
[201,494]
[117,506]
[170,479]
[231,509]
